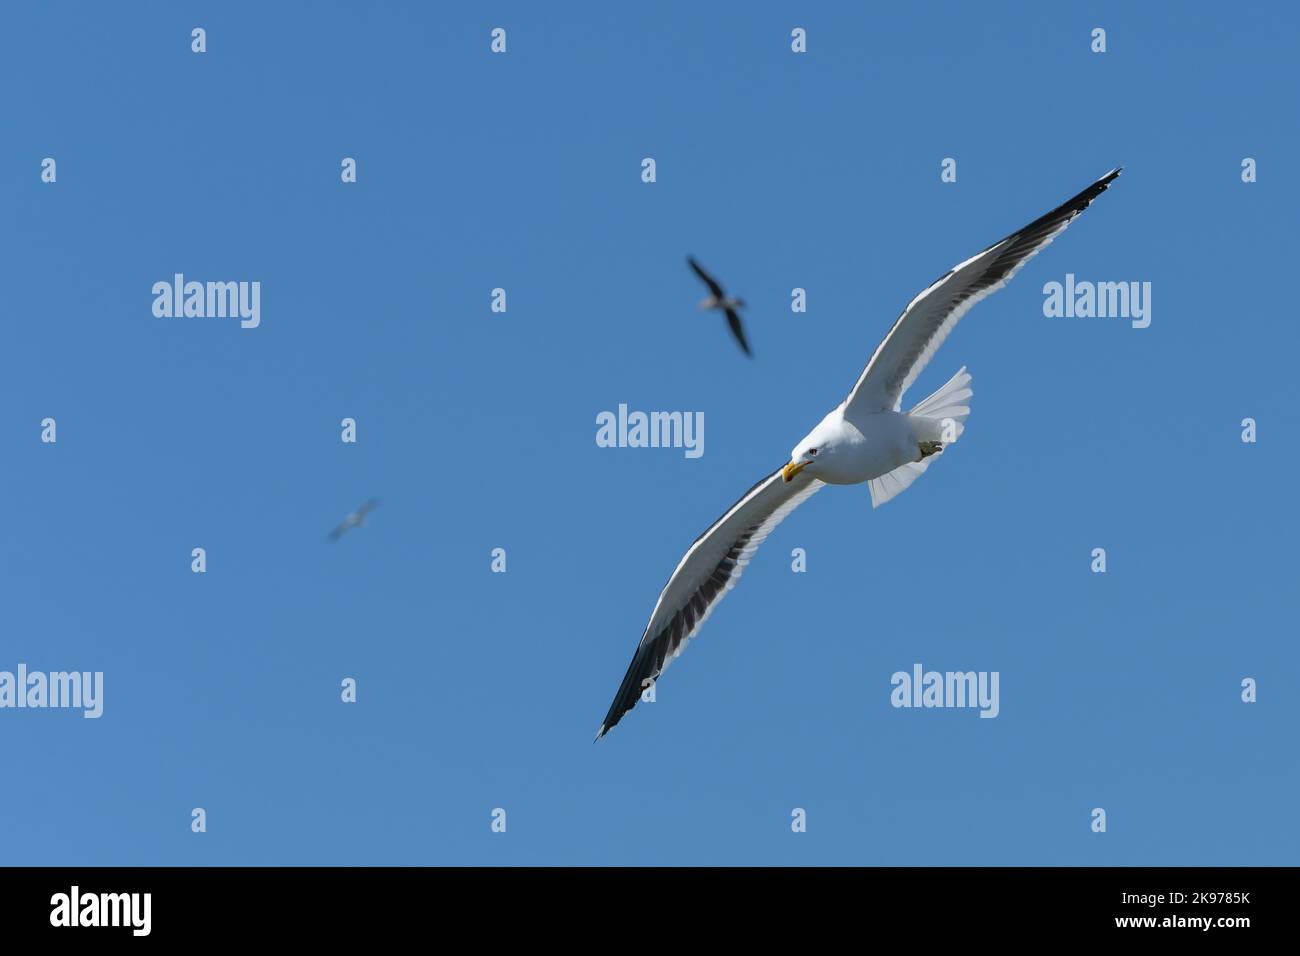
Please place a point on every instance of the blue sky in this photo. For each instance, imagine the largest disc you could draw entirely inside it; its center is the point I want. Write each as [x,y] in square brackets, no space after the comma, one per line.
[477,431]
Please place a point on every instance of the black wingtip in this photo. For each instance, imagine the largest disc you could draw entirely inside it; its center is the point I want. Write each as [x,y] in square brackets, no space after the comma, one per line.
[1104,181]
[1101,185]
[1075,204]
[1085,198]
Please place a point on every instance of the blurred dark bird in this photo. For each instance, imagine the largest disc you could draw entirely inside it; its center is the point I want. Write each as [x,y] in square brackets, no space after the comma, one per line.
[719,300]
[354,520]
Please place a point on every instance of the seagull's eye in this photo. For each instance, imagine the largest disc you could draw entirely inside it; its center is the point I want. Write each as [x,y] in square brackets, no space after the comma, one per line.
[812,452]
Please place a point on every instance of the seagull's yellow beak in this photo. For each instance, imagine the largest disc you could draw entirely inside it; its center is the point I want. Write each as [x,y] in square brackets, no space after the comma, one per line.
[792,469]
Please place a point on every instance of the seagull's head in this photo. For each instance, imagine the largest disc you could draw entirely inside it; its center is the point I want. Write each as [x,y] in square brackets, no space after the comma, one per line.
[814,449]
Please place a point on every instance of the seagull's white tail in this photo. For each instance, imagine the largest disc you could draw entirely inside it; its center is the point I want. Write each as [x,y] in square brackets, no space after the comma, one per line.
[939,418]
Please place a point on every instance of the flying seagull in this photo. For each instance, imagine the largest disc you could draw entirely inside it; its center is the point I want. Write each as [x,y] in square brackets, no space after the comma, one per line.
[354,520]
[866,438]
[717,299]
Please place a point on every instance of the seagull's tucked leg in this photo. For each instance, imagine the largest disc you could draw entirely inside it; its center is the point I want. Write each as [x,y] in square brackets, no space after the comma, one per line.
[937,422]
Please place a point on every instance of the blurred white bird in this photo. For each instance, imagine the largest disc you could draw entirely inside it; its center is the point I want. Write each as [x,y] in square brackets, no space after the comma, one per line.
[354,520]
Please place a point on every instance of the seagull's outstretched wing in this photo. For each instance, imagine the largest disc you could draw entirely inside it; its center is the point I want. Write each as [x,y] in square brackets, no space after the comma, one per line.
[710,569]
[928,318]
[708,279]
[738,331]
[341,530]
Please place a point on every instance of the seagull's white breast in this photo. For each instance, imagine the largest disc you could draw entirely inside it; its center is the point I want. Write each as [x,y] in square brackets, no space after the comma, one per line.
[867,448]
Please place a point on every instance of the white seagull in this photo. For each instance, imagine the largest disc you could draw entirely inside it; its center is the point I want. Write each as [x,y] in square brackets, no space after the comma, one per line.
[354,520]
[865,438]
